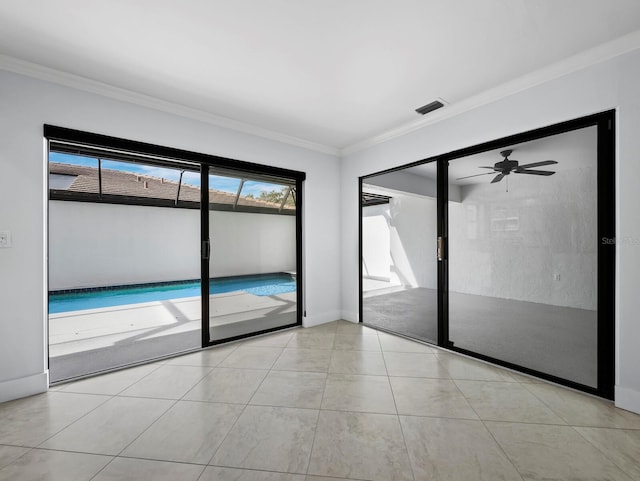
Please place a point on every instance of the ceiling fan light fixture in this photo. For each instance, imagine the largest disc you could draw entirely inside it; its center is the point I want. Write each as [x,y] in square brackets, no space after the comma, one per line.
[430,107]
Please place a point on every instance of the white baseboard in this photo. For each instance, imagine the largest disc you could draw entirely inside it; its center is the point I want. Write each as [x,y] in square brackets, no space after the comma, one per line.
[628,399]
[323,318]
[24,386]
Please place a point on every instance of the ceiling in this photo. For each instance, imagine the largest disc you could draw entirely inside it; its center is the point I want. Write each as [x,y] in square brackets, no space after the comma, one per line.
[329,72]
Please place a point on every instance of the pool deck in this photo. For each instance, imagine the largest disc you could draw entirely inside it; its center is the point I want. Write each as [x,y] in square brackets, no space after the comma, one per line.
[169,326]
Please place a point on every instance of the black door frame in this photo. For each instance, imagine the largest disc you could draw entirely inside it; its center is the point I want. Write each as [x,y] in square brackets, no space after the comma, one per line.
[205,249]
[88,143]
[606,213]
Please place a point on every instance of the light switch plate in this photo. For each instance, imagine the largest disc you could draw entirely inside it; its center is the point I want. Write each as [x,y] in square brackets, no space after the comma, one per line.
[5,239]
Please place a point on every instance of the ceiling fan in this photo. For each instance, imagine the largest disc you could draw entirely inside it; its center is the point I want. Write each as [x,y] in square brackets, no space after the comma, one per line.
[507,166]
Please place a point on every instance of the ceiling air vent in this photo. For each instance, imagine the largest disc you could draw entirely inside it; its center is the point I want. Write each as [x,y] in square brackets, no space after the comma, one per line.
[435,105]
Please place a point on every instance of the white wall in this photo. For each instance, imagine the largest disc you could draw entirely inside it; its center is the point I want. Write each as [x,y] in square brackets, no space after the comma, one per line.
[245,243]
[94,245]
[376,250]
[27,104]
[399,241]
[611,84]
[549,253]
[413,240]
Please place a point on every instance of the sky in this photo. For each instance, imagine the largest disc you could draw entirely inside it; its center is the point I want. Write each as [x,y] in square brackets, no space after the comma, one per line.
[225,184]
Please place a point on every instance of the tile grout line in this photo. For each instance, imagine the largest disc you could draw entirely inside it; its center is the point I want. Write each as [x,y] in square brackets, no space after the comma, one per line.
[324,390]
[81,417]
[507,457]
[393,395]
[489,431]
[575,429]
[547,405]
[245,405]
[103,468]
[175,402]
[244,408]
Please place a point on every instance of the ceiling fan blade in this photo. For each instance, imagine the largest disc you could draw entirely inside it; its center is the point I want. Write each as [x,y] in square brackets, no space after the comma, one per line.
[534,172]
[536,164]
[497,178]
[485,167]
[476,175]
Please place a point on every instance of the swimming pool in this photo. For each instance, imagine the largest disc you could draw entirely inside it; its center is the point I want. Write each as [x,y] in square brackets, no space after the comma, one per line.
[258,285]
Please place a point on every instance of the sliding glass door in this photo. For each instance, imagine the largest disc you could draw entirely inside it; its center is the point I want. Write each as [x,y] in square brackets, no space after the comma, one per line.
[399,269]
[155,251]
[523,255]
[252,245]
[124,273]
[525,269]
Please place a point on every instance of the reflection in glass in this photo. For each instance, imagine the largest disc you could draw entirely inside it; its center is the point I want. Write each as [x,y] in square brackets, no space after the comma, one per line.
[523,255]
[73,173]
[223,190]
[399,266]
[253,279]
[143,180]
[124,278]
[263,194]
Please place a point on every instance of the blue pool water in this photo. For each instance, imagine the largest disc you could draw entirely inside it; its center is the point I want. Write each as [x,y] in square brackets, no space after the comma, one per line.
[260,285]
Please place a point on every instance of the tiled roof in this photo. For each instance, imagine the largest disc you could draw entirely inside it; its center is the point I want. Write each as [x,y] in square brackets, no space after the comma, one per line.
[117,182]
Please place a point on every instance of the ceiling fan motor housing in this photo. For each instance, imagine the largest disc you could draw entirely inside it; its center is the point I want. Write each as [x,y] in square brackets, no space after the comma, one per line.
[505,166]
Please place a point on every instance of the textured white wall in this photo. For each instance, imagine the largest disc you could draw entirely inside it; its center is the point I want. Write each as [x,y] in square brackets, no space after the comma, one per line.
[94,245]
[27,104]
[556,235]
[607,85]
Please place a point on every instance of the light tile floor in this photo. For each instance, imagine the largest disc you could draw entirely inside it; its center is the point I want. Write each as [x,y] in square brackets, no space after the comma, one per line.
[333,402]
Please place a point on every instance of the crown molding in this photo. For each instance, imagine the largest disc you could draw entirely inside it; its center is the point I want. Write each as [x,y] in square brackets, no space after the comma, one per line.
[598,54]
[59,77]
[601,53]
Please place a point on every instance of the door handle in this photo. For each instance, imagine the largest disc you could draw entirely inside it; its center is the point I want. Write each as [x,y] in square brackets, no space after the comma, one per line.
[440,253]
[205,250]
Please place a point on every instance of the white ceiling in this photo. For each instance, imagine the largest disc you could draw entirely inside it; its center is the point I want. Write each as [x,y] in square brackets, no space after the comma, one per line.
[331,72]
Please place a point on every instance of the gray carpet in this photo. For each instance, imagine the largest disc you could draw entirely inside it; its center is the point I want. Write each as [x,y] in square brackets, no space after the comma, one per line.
[561,341]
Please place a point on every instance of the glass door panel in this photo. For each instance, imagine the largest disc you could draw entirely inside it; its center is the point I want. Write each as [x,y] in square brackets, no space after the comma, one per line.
[253,258]
[523,244]
[399,262]
[124,272]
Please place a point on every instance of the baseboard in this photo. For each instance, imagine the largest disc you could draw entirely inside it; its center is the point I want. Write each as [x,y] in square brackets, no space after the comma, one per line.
[350,316]
[24,386]
[323,318]
[628,399]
